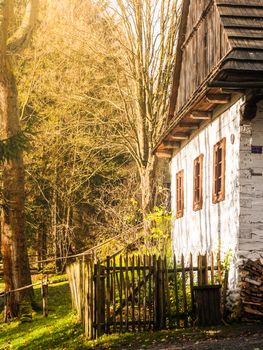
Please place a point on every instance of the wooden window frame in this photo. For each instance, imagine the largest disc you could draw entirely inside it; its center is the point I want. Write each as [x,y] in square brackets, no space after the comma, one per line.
[198,183]
[180,194]
[219,175]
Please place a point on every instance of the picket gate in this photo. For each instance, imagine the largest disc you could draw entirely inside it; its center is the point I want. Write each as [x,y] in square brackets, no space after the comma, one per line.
[139,293]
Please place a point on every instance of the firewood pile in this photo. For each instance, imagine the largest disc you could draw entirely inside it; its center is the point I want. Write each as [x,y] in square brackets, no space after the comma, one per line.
[252,290]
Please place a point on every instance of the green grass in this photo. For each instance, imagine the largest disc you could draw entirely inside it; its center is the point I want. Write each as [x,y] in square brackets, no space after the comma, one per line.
[59,330]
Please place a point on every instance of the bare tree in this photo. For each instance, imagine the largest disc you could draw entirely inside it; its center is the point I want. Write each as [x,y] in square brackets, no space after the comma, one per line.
[147,52]
[14,250]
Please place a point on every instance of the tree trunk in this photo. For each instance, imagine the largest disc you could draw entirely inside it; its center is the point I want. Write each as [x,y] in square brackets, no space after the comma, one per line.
[42,244]
[148,192]
[14,248]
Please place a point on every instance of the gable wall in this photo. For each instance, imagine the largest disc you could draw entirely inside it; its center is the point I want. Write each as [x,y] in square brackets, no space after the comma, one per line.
[216,225]
[251,189]
[200,53]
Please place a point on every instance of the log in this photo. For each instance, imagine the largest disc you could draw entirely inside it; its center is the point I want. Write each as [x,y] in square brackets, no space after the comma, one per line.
[252,289]
[256,283]
[249,310]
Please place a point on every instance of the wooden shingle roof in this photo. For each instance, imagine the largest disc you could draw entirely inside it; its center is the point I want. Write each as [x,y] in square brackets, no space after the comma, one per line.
[219,54]
[243,23]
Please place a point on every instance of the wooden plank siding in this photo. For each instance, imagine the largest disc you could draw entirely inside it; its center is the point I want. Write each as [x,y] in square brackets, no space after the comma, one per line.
[200,54]
[220,46]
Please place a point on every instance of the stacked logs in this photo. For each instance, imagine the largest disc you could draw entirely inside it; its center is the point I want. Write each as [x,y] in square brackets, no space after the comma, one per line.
[252,290]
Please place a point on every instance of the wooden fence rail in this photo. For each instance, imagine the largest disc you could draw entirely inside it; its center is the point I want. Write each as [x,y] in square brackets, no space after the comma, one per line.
[138,293]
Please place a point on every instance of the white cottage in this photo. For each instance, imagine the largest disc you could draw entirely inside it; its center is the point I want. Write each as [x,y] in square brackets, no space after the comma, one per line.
[214,137]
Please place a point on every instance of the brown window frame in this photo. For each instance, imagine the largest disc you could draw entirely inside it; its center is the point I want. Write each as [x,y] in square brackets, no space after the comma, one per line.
[198,183]
[219,171]
[180,194]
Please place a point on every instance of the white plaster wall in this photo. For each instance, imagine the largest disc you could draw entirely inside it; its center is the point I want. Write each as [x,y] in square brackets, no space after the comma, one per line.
[251,189]
[216,225]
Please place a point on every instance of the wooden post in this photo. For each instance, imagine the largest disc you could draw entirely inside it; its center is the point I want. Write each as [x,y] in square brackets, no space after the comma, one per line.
[121,292]
[176,292]
[205,269]
[184,292]
[192,287]
[114,294]
[92,293]
[108,295]
[225,293]
[102,306]
[127,292]
[199,273]
[133,296]
[167,294]
[144,292]
[45,297]
[150,291]
[219,268]
[139,292]
[212,269]
[159,295]
[86,300]
[155,294]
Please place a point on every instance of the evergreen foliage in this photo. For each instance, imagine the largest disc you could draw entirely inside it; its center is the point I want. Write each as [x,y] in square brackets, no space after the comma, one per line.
[9,148]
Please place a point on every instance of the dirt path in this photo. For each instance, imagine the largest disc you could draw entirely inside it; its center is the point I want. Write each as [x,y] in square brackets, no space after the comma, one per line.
[251,343]
[240,337]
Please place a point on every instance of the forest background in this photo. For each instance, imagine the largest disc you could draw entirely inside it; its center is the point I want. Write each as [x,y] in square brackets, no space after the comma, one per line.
[93,90]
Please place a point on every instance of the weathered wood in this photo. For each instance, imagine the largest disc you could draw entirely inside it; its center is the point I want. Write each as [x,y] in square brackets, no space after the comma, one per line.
[108,295]
[249,310]
[162,153]
[159,297]
[184,291]
[139,291]
[170,145]
[200,115]
[219,267]
[45,298]
[150,293]
[218,98]
[224,296]
[155,293]
[189,126]
[205,269]
[207,304]
[167,290]
[121,293]
[144,292]
[141,299]
[176,290]
[178,136]
[133,295]
[212,269]
[199,274]
[126,293]
[114,294]
[192,285]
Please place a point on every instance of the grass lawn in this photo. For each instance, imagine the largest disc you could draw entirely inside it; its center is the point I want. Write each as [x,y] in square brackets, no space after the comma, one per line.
[60,330]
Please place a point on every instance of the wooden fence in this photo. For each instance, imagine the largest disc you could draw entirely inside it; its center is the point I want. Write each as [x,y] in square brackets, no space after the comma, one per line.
[138,293]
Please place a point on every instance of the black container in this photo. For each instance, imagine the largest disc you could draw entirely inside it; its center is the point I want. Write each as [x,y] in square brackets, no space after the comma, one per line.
[207,301]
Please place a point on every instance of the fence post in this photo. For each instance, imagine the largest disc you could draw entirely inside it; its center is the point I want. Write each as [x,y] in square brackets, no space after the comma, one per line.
[100,300]
[159,296]
[6,303]
[45,297]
